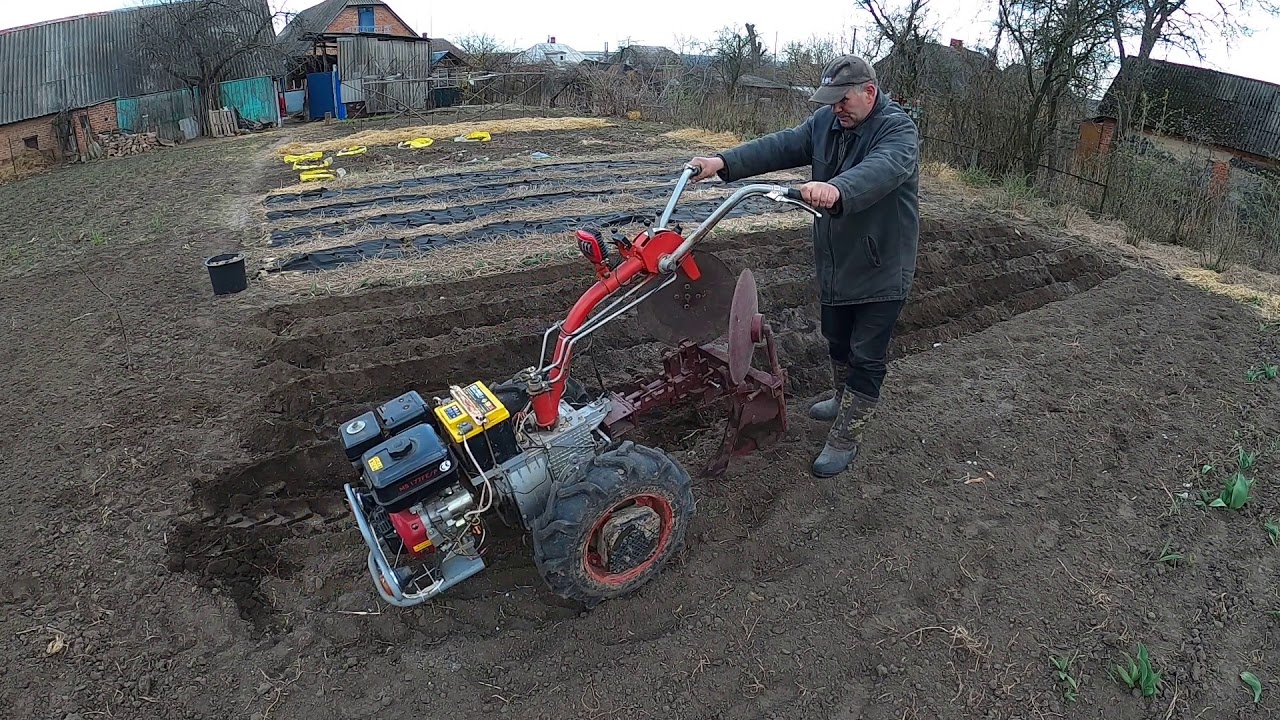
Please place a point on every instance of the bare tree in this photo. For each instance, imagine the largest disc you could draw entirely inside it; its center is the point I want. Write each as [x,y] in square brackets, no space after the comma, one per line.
[1061,48]
[686,44]
[737,54]
[202,43]
[907,28]
[484,52]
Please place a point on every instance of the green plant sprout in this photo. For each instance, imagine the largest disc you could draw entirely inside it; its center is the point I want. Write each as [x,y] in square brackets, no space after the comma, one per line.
[1139,673]
[1254,684]
[1267,371]
[1235,493]
[1070,684]
[1169,556]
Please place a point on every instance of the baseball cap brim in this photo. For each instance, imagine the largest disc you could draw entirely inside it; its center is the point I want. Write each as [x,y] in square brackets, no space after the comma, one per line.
[829,94]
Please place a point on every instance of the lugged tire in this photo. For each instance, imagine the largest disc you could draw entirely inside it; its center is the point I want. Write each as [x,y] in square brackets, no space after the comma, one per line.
[561,533]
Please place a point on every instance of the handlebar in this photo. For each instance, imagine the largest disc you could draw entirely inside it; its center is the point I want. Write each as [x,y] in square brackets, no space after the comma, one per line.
[777,193]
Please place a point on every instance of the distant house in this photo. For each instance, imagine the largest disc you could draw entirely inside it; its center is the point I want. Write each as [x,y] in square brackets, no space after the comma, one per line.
[343,17]
[1184,107]
[760,88]
[936,71]
[644,58]
[351,57]
[548,53]
[69,79]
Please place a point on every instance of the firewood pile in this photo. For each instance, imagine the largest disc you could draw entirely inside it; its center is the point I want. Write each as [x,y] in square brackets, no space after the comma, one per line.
[123,144]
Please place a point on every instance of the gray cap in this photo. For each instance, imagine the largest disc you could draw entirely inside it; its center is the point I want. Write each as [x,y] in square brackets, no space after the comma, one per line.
[840,75]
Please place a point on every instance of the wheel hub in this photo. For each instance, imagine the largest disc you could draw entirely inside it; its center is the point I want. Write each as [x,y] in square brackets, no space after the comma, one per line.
[629,538]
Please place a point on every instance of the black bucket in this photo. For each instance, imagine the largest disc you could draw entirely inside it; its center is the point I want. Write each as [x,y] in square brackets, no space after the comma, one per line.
[226,273]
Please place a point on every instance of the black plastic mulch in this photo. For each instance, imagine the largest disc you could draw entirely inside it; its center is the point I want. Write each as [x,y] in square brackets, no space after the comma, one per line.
[694,212]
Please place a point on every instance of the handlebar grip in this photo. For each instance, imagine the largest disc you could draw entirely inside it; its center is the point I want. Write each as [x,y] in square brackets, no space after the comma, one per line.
[794,194]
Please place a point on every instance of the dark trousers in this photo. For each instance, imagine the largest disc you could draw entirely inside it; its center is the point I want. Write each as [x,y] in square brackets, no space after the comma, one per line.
[859,337]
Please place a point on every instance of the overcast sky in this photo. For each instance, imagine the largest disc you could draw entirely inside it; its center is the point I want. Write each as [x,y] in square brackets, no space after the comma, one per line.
[520,23]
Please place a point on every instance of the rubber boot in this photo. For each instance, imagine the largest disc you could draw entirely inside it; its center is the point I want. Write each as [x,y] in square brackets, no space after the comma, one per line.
[826,410]
[845,435]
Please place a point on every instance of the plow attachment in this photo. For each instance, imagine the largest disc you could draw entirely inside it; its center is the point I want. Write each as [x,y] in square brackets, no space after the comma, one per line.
[707,373]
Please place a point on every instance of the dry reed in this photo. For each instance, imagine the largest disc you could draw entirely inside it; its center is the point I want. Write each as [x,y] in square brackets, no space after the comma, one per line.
[446,133]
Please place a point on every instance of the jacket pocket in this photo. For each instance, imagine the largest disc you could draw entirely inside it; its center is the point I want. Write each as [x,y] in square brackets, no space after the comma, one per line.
[873,250]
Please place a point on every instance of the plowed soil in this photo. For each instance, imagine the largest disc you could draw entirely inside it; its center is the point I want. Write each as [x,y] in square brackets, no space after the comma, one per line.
[176,543]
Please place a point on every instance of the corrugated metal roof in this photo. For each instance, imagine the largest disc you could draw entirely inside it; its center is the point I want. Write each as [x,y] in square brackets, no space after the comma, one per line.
[1199,103]
[553,53]
[82,61]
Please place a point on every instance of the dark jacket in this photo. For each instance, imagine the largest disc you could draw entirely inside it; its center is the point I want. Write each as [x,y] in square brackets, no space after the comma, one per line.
[865,247]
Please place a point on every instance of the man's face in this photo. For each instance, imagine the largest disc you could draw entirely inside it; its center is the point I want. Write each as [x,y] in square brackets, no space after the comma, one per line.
[856,105]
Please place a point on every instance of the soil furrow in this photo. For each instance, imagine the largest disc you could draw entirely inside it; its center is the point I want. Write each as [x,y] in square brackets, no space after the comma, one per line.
[329,314]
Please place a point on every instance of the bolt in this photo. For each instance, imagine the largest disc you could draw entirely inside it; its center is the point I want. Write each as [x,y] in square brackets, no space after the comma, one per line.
[686,286]
[697,296]
[686,306]
[686,297]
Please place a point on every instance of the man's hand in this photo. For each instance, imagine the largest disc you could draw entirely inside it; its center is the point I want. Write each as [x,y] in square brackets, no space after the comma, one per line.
[820,194]
[710,166]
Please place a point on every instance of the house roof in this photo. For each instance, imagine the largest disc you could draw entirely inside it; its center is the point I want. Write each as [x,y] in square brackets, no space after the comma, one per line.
[1228,110]
[941,68]
[442,45]
[317,19]
[646,56]
[760,83]
[83,60]
[556,53]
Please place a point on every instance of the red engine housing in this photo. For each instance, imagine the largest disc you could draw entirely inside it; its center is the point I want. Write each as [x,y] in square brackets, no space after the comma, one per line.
[640,259]
[413,532]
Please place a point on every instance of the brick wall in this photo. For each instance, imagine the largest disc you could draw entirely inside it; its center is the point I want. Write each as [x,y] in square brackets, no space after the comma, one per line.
[1107,135]
[348,21]
[1220,176]
[14,134]
[101,118]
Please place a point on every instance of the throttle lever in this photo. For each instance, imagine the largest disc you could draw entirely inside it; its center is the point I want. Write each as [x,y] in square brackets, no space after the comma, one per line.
[792,196]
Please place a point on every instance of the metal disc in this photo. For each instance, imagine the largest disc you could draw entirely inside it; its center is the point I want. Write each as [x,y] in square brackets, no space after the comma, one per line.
[690,310]
[742,313]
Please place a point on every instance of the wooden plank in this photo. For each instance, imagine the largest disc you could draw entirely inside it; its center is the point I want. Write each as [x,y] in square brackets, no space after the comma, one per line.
[222,123]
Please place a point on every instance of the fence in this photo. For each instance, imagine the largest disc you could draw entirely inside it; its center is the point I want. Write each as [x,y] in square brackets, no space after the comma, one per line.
[161,113]
[256,99]
[1054,182]
[1158,195]
[167,113]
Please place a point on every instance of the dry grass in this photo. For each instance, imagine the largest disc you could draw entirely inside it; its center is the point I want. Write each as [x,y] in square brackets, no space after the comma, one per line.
[718,140]
[1256,288]
[481,258]
[481,169]
[446,133]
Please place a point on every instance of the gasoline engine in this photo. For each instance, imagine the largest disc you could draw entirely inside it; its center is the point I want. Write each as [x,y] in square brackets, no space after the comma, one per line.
[534,451]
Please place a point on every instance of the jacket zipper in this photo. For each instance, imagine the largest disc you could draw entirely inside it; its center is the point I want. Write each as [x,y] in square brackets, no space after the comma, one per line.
[842,147]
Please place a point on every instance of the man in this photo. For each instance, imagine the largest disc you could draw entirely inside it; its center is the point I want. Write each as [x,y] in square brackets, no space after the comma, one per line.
[864,160]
